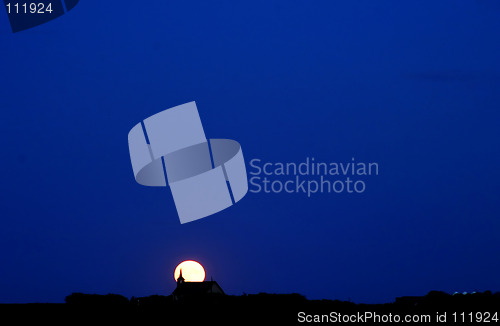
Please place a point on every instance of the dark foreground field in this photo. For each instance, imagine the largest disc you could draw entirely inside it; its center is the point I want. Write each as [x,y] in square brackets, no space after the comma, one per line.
[278,309]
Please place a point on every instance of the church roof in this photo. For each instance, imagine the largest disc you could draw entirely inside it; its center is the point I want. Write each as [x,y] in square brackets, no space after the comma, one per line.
[197,288]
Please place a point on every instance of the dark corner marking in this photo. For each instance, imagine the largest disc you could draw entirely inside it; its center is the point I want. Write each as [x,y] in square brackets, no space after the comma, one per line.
[64,6]
[223,170]
[164,170]
[228,184]
[145,132]
[211,154]
[230,192]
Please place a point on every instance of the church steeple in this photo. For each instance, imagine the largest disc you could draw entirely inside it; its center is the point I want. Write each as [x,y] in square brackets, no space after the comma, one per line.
[180,279]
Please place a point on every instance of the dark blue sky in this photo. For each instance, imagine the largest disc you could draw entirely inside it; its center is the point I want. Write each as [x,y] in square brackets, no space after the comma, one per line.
[412,85]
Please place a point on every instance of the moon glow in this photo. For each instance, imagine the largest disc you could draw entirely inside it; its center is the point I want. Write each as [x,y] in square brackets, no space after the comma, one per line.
[192,271]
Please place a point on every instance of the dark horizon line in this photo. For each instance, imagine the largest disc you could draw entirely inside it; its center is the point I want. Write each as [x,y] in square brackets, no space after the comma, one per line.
[432,292]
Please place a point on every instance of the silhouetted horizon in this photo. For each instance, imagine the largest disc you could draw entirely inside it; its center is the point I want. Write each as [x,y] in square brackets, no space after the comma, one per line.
[289,308]
[119,298]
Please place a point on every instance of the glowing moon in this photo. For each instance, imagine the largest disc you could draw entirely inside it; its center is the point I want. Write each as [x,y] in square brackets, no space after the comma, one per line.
[192,271]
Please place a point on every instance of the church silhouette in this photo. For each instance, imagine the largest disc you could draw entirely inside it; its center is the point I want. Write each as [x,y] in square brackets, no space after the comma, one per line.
[193,290]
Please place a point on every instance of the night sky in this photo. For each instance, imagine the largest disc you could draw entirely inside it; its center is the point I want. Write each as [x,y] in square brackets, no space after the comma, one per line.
[411,85]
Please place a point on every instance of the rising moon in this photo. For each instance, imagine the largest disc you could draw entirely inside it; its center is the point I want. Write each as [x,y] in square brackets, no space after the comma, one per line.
[192,271]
